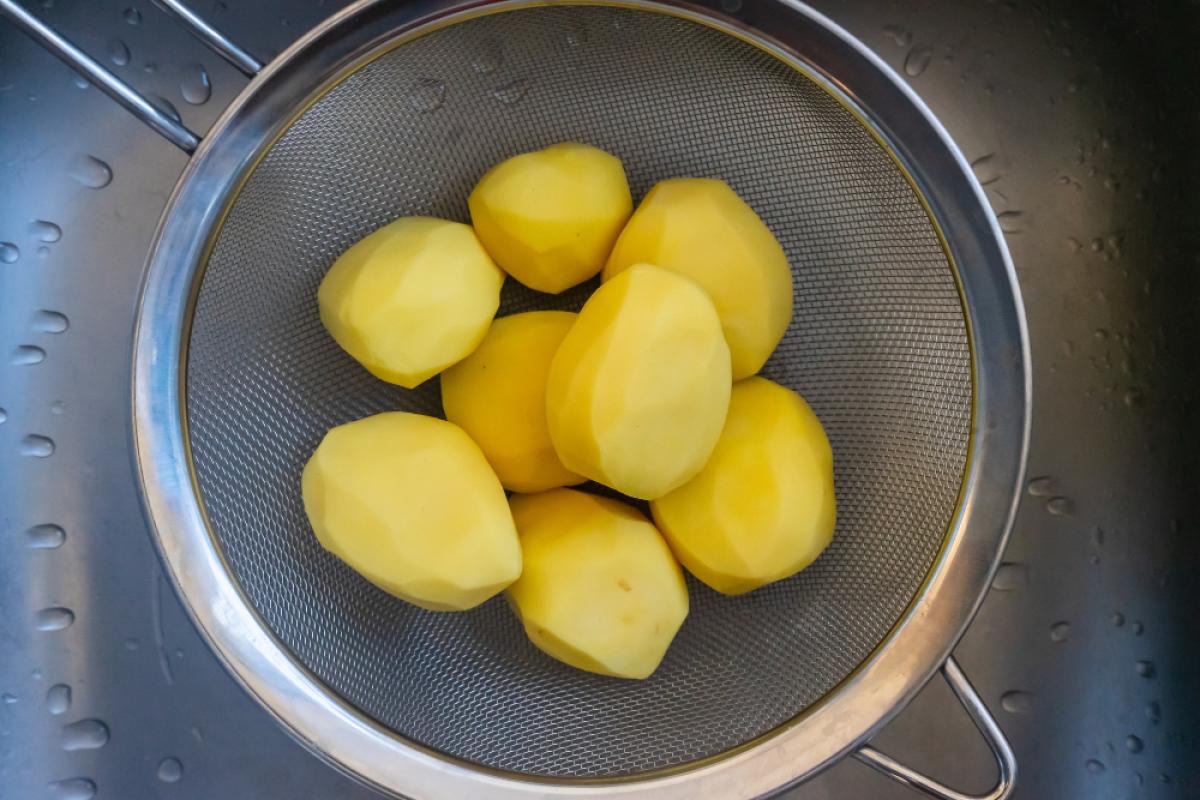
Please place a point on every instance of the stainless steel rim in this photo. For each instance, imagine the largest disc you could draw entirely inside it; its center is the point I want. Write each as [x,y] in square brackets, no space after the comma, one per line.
[903,663]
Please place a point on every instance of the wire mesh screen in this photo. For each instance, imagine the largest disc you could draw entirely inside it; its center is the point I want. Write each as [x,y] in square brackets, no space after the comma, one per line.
[878,347]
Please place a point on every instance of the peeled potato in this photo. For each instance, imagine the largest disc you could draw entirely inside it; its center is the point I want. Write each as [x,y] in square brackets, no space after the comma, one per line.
[701,229]
[411,504]
[412,298]
[763,507]
[550,217]
[638,390]
[600,589]
[498,395]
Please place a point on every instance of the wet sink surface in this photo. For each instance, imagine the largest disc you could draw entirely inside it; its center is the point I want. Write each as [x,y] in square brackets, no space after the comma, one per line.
[1080,122]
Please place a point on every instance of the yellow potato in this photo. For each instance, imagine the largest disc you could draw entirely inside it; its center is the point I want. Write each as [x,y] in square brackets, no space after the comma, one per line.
[498,395]
[763,508]
[701,229]
[550,217]
[412,298]
[639,388]
[600,590]
[410,503]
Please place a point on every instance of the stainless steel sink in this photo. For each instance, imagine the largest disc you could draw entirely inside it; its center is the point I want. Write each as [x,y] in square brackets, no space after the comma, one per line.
[1080,121]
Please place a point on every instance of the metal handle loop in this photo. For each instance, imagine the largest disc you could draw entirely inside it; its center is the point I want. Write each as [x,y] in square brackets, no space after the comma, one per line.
[1006,761]
[130,98]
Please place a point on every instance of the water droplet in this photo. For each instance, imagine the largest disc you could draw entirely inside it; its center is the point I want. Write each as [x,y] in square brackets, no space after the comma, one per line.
[986,169]
[8,697]
[1060,506]
[45,231]
[72,789]
[1145,668]
[917,61]
[150,67]
[91,172]
[132,16]
[1138,779]
[1134,744]
[37,446]
[170,770]
[197,734]
[1010,576]
[511,93]
[3,416]
[42,252]
[1117,619]
[86,734]
[1093,766]
[80,81]
[164,105]
[1043,486]
[1010,221]
[58,699]
[179,653]
[1060,631]
[489,58]
[898,35]
[1138,628]
[118,52]
[58,407]
[1154,713]
[1097,536]
[578,35]
[9,253]
[427,94]
[1017,702]
[45,537]
[47,321]
[55,618]
[36,674]
[132,643]
[196,87]
[26,355]
[1164,778]
[1093,559]
[731,6]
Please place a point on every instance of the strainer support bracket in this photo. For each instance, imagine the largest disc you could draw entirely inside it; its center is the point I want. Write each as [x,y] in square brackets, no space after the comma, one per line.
[1006,761]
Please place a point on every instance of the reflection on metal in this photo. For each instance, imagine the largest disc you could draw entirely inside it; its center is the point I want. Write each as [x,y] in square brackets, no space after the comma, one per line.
[1006,761]
[101,78]
[215,40]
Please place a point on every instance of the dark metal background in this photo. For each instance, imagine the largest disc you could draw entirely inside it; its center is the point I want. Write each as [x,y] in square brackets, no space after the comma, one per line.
[1082,124]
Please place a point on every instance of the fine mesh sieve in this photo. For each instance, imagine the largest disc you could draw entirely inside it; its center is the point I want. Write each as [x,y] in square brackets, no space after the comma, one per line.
[907,339]
[878,346]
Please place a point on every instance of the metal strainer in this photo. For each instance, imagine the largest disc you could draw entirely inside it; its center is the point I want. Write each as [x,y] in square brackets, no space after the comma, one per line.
[907,340]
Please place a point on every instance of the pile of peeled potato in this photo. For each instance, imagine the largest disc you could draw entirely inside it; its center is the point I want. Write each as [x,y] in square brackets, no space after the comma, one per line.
[649,390]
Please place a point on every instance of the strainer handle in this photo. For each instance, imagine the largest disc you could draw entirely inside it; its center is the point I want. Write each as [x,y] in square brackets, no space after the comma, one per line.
[170,128]
[216,41]
[1006,761]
